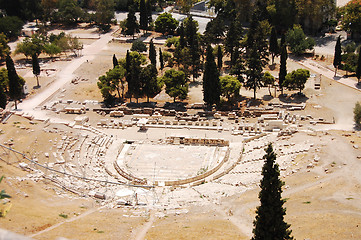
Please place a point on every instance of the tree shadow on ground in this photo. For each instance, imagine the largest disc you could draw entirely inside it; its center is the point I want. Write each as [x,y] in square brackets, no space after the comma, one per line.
[324,40]
[195,84]
[141,105]
[294,98]
[267,97]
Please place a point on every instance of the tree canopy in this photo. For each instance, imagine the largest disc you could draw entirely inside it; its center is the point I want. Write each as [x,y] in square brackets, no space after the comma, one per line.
[175,84]
[165,23]
[357,114]
[16,83]
[4,48]
[104,14]
[297,40]
[352,17]
[211,84]
[269,222]
[297,79]
[230,87]
[337,57]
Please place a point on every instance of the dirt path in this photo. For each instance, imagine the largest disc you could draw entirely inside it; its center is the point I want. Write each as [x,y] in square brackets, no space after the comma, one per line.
[140,235]
[64,77]
[67,221]
[314,66]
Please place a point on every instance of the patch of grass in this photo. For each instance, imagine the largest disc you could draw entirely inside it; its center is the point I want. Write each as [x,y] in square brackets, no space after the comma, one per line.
[186,227]
[349,198]
[100,231]
[307,202]
[63,215]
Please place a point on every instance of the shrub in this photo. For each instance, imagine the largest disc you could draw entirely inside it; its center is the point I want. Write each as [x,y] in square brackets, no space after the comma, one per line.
[138,46]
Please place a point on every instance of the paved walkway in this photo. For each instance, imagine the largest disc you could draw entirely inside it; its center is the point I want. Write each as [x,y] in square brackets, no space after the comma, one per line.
[314,66]
[63,77]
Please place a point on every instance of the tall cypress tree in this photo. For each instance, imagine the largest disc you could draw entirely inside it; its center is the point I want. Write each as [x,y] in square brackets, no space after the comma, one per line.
[3,99]
[358,68]
[256,51]
[232,41]
[211,84]
[115,61]
[182,42]
[143,15]
[131,25]
[269,222]
[273,44]
[283,64]
[15,83]
[219,58]
[161,61]
[128,75]
[152,53]
[338,52]
[36,68]
[148,8]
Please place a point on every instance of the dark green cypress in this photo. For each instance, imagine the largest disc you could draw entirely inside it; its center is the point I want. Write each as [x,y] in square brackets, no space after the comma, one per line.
[152,53]
[283,65]
[127,61]
[36,68]
[115,61]
[256,51]
[161,61]
[143,15]
[338,52]
[182,42]
[3,99]
[269,223]
[358,68]
[148,8]
[15,85]
[131,25]
[219,57]
[211,84]
[273,44]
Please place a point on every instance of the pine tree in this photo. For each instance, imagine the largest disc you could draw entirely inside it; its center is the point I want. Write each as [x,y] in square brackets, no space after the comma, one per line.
[161,61]
[269,222]
[152,53]
[3,99]
[36,68]
[283,66]
[273,44]
[143,15]
[358,67]
[219,58]
[115,61]
[337,57]
[15,83]
[211,85]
